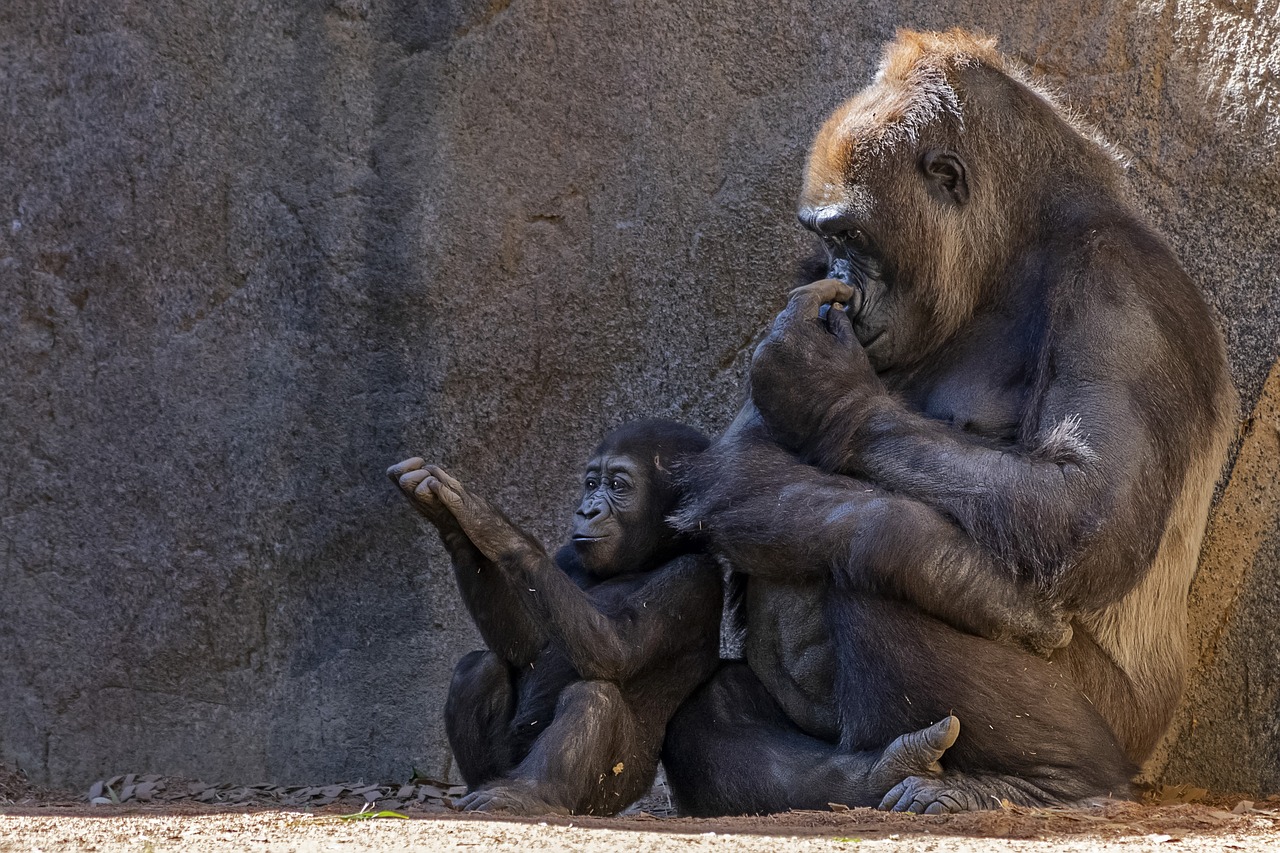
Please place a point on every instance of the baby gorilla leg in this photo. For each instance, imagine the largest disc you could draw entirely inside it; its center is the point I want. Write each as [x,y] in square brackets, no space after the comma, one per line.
[596,758]
[477,718]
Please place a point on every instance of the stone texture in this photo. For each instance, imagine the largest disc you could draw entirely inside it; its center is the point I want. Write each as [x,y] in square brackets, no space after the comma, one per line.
[253,253]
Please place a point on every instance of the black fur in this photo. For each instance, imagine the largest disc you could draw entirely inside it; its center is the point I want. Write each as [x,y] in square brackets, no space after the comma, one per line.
[940,494]
[587,660]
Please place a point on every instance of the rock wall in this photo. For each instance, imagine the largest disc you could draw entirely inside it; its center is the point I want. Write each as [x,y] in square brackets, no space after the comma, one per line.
[253,253]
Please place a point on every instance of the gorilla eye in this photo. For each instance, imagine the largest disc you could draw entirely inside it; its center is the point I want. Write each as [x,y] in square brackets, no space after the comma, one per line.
[592,484]
[859,240]
[618,485]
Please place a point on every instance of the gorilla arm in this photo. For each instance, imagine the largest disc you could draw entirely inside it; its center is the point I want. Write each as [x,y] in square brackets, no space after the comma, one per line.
[606,646]
[505,624]
[1066,515]
[771,516]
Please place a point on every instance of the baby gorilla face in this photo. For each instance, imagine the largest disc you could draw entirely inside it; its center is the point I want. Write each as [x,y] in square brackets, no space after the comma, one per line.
[617,526]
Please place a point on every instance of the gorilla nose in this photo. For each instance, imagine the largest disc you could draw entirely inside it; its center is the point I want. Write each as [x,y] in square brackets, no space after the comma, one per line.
[827,221]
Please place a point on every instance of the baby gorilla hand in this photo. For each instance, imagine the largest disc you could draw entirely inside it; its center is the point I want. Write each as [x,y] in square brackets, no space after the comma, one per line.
[914,755]
[490,531]
[408,477]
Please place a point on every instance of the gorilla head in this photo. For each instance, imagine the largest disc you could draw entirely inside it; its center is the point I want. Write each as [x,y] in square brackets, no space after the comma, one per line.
[918,187]
[628,492]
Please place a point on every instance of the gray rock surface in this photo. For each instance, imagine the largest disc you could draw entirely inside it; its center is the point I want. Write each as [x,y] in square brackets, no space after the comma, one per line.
[252,253]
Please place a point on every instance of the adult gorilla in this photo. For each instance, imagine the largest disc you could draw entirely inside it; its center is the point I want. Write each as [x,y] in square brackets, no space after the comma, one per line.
[982,488]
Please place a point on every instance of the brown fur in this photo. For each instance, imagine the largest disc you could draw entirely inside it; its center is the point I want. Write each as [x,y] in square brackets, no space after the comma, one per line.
[954,90]
[937,88]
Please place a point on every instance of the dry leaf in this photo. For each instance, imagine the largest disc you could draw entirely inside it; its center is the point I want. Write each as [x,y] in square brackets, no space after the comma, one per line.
[617,768]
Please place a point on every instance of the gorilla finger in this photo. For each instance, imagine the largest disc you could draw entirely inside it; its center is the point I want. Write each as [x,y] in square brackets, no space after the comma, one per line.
[936,807]
[441,490]
[807,300]
[904,804]
[896,793]
[917,806]
[841,326]
[950,803]
[398,470]
[911,790]
[445,477]
[412,480]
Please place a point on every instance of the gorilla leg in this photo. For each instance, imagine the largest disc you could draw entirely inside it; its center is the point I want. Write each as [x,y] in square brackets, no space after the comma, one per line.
[596,758]
[730,749]
[1030,736]
[477,717]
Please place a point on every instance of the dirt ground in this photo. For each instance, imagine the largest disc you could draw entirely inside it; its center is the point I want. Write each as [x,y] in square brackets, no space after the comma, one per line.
[32,819]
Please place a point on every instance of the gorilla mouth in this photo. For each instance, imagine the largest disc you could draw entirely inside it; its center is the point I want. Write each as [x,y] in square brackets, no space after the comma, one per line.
[842,268]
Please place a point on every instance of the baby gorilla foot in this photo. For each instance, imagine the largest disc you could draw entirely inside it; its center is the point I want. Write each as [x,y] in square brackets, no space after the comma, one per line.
[507,799]
[913,755]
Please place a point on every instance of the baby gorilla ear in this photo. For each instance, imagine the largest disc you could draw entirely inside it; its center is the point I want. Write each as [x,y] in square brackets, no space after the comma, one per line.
[946,175]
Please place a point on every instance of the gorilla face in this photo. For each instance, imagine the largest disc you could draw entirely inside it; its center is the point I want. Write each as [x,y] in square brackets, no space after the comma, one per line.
[616,528]
[892,227]
[886,321]
[890,196]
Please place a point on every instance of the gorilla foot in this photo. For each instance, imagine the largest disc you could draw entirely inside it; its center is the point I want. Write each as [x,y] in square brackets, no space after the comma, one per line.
[914,754]
[932,796]
[513,799]
[956,792]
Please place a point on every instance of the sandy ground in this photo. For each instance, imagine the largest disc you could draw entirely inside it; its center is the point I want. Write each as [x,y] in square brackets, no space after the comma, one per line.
[34,819]
[198,829]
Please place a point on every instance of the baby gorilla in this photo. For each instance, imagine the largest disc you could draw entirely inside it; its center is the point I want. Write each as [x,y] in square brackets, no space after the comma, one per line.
[591,653]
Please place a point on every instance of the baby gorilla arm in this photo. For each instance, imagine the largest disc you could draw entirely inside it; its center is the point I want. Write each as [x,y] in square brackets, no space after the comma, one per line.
[600,646]
[505,623]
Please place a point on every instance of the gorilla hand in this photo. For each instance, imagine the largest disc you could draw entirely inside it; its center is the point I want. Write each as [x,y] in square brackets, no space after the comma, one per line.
[487,528]
[808,363]
[408,477]
[1041,630]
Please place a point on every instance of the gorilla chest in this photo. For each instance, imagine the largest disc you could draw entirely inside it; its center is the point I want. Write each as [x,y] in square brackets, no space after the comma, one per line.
[979,386]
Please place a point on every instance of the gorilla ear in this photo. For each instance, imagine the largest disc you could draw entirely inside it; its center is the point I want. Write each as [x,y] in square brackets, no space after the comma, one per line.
[946,175]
